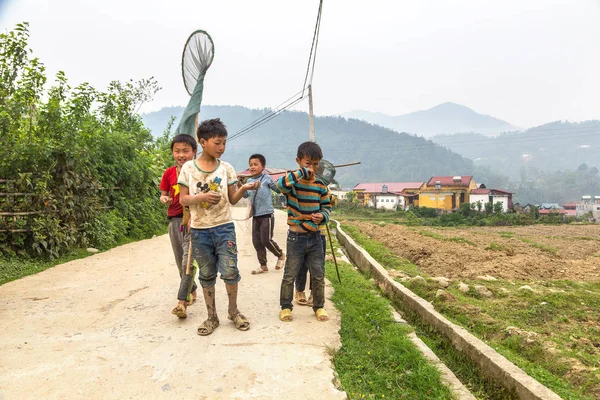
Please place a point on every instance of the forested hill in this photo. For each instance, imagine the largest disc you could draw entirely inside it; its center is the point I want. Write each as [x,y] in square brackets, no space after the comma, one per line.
[553,146]
[385,155]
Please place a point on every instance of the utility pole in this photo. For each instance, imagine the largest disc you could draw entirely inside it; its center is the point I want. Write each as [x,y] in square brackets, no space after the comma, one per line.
[311,118]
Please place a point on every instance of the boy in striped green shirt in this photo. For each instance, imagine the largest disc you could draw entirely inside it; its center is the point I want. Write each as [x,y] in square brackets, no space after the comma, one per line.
[308,206]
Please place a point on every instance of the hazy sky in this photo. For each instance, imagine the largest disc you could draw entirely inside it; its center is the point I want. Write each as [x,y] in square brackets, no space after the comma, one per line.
[525,61]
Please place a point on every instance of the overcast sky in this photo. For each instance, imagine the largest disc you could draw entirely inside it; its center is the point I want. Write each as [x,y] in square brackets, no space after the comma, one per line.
[524,61]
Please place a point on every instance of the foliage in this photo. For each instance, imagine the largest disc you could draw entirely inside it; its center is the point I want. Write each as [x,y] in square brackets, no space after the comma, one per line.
[91,166]
[377,358]
[550,332]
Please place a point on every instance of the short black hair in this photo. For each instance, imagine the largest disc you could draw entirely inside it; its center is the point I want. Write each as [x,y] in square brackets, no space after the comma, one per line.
[310,150]
[184,139]
[260,158]
[211,128]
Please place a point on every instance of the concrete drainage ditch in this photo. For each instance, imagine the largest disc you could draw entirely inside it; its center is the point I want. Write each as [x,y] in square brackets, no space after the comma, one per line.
[493,365]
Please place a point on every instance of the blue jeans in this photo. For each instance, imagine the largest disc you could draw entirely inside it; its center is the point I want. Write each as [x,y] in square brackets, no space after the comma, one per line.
[301,278]
[215,250]
[303,249]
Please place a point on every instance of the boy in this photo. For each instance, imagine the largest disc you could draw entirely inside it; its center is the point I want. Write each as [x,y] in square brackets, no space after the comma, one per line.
[263,220]
[184,149]
[208,186]
[308,206]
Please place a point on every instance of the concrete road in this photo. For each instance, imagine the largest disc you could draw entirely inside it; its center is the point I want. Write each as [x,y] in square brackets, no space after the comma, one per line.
[101,328]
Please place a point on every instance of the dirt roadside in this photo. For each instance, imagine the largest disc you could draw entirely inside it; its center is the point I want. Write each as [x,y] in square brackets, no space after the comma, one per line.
[101,327]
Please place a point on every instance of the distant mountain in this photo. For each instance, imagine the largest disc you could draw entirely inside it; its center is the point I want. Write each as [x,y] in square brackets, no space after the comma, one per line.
[553,146]
[384,154]
[446,118]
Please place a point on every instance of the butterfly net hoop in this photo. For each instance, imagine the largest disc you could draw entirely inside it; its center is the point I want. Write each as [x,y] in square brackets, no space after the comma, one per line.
[325,172]
[198,55]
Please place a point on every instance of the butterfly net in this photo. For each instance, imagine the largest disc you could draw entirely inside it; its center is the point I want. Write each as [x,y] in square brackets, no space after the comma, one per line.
[198,54]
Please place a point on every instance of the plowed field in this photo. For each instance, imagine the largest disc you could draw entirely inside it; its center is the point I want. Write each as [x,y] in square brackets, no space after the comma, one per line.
[526,252]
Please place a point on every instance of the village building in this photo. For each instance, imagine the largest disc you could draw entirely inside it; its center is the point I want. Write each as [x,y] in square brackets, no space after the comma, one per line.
[446,192]
[493,196]
[589,204]
[386,195]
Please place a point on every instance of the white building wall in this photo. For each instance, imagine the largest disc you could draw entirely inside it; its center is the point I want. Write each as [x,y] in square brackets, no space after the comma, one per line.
[387,201]
[485,198]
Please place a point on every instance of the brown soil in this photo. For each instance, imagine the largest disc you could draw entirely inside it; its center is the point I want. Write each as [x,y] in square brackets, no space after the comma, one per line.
[526,252]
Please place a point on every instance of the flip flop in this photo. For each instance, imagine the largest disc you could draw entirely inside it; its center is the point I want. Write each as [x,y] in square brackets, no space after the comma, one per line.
[259,270]
[285,315]
[321,315]
[179,311]
[301,298]
[208,326]
[280,262]
[240,321]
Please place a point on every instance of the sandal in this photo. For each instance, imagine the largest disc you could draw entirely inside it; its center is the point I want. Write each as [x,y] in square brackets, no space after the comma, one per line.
[321,315]
[192,299]
[208,326]
[260,270]
[240,321]
[301,298]
[310,300]
[179,311]
[280,262]
[285,315]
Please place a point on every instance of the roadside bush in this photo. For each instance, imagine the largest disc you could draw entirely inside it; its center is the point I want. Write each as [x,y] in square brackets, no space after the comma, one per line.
[90,167]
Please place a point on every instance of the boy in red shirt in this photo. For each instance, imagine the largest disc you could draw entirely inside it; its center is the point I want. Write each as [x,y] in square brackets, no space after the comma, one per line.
[184,149]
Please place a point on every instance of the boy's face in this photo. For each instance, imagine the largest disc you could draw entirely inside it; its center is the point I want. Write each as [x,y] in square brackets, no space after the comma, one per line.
[215,146]
[183,152]
[311,164]
[255,167]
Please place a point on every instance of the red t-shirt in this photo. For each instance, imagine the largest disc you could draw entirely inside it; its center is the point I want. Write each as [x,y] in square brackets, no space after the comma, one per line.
[168,183]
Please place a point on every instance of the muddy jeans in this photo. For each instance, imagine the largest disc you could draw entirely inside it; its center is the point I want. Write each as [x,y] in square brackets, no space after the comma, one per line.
[262,237]
[215,250]
[180,243]
[304,249]
[303,271]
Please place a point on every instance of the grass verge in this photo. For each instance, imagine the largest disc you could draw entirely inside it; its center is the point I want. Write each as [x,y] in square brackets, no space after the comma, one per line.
[552,332]
[377,360]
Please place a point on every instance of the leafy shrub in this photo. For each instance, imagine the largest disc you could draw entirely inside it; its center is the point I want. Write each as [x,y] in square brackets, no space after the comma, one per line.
[78,152]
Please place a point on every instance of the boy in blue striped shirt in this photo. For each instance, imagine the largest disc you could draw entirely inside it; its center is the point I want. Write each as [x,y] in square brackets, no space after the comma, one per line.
[308,206]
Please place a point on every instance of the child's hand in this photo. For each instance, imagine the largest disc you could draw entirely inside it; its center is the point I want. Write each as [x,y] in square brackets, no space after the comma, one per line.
[166,200]
[311,173]
[316,218]
[210,197]
[251,186]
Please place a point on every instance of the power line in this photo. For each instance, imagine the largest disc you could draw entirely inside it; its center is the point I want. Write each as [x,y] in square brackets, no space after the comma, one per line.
[293,100]
[315,43]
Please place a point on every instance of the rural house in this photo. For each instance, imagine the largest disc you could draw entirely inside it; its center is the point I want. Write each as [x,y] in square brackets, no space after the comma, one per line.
[589,204]
[446,192]
[386,195]
[493,196]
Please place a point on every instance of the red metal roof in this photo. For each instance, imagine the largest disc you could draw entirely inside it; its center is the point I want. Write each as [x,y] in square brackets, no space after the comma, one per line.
[449,181]
[480,191]
[392,187]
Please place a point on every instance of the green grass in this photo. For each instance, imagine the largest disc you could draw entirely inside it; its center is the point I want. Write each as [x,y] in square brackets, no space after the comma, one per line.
[377,360]
[506,235]
[563,315]
[437,236]
[540,246]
